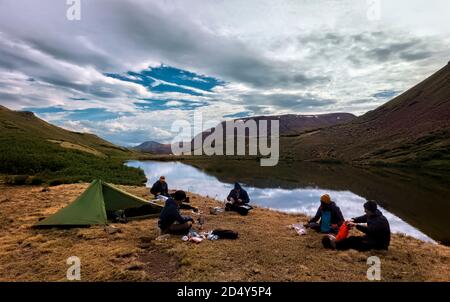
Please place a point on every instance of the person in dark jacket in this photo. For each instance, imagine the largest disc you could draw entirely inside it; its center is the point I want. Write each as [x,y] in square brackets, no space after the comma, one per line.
[377,232]
[329,214]
[238,196]
[238,200]
[170,219]
[160,187]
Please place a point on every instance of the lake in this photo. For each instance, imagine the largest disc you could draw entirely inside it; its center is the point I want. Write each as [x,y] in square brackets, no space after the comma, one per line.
[415,204]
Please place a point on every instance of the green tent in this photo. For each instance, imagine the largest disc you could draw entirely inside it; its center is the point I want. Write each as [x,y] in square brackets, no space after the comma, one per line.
[92,207]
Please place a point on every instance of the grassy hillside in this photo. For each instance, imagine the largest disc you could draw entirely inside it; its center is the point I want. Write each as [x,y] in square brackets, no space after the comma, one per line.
[22,122]
[33,151]
[413,129]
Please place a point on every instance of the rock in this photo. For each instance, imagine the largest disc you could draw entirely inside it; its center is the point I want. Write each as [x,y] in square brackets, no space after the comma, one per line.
[112,230]
[45,189]
[4,199]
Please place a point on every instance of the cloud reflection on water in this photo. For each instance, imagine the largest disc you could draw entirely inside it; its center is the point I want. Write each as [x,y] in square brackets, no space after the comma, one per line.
[300,200]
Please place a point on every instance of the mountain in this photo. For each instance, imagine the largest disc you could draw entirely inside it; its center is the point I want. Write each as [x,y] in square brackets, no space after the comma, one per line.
[289,124]
[413,129]
[31,147]
[154,148]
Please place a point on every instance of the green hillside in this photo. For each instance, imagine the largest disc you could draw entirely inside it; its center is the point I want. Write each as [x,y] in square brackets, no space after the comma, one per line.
[412,130]
[34,151]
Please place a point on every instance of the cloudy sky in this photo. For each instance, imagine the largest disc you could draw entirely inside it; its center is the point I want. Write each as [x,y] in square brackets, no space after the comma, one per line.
[128,69]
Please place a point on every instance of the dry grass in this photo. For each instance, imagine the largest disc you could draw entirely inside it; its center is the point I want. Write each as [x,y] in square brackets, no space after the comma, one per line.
[265,251]
[73,146]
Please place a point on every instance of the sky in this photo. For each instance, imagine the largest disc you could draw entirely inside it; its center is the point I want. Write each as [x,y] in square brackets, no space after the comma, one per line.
[129,68]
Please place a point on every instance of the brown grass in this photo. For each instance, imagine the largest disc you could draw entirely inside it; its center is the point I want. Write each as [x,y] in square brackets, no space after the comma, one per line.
[267,250]
[73,146]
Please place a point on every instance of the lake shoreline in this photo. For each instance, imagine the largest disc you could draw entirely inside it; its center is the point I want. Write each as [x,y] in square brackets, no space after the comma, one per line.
[298,188]
[266,250]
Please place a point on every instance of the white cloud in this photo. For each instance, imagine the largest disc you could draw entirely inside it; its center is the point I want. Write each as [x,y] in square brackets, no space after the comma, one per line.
[276,56]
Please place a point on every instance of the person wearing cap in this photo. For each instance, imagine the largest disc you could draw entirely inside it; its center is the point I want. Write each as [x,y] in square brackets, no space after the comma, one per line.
[160,187]
[377,232]
[329,214]
[170,219]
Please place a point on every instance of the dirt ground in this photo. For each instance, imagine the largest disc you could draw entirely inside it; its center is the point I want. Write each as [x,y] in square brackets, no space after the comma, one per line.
[266,250]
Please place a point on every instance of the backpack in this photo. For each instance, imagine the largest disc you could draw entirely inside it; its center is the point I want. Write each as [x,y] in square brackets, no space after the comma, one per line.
[343,232]
[243,210]
[117,216]
[225,234]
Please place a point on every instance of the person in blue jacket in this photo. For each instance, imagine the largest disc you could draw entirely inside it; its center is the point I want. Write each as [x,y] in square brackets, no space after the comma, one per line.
[329,215]
[170,219]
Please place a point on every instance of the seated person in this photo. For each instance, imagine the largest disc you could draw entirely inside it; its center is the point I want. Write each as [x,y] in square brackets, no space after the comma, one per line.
[237,198]
[160,187]
[329,214]
[170,219]
[377,232]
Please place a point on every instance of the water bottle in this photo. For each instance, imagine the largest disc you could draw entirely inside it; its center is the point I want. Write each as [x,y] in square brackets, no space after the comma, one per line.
[201,221]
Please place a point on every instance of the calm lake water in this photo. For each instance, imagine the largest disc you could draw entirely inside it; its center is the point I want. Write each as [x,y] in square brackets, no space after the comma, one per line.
[412,203]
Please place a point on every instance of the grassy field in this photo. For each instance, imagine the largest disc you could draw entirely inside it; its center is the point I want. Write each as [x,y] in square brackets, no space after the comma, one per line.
[266,250]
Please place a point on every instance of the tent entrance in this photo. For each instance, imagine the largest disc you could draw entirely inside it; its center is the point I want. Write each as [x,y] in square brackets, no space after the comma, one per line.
[142,212]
